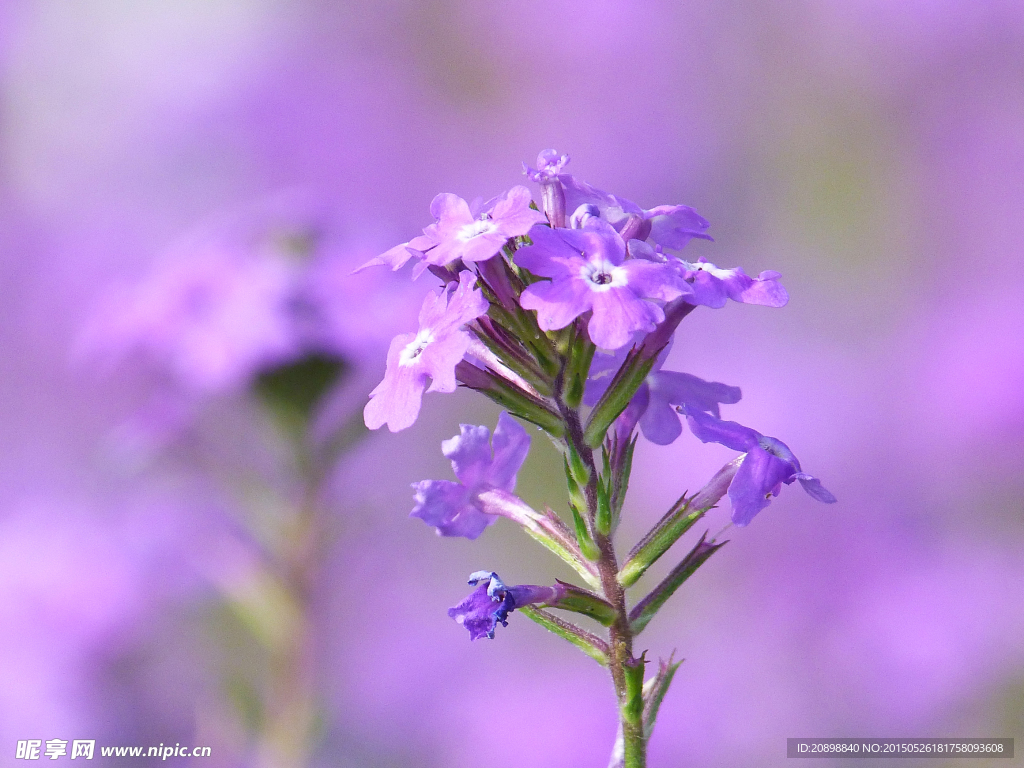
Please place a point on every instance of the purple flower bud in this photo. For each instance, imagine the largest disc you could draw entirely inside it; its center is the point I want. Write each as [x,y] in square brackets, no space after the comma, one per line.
[491,603]
[549,166]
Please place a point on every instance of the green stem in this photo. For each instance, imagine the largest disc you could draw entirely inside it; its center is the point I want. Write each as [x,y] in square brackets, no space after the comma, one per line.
[621,663]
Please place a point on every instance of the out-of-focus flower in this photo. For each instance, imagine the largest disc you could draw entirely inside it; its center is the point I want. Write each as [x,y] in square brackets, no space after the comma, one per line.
[768,464]
[481,464]
[209,316]
[254,289]
[491,602]
[589,271]
[432,352]
[654,405]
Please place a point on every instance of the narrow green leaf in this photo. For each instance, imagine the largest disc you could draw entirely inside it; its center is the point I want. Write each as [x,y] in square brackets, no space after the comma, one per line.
[627,380]
[590,644]
[655,690]
[510,397]
[586,602]
[583,538]
[604,508]
[677,521]
[647,608]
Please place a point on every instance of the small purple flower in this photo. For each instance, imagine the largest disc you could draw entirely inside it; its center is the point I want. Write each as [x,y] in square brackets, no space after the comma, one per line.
[768,464]
[549,167]
[589,271]
[481,464]
[671,226]
[397,257]
[712,286]
[432,352]
[491,602]
[461,235]
[655,402]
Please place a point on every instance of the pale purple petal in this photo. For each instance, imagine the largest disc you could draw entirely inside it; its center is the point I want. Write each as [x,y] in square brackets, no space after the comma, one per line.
[447,506]
[618,313]
[396,400]
[682,388]
[673,226]
[708,429]
[441,356]
[511,444]
[394,257]
[557,303]
[760,475]
[815,489]
[470,453]
[455,509]
[655,281]
[512,210]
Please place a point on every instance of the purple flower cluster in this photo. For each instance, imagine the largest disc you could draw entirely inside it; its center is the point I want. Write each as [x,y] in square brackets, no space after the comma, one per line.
[544,308]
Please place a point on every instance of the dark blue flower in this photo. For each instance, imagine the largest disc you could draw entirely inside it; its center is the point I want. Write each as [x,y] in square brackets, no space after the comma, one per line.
[491,602]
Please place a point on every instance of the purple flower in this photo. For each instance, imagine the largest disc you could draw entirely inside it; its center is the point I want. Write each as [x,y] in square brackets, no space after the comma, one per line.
[491,602]
[671,226]
[461,235]
[768,464]
[549,167]
[481,465]
[432,352]
[397,257]
[712,286]
[589,271]
[654,405]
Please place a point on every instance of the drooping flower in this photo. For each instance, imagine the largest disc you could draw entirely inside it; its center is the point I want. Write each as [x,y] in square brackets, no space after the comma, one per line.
[589,271]
[655,403]
[481,464]
[432,352]
[767,465]
[491,602]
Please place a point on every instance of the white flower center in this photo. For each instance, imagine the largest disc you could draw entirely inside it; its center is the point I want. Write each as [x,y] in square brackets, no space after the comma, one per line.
[603,276]
[475,229]
[415,347]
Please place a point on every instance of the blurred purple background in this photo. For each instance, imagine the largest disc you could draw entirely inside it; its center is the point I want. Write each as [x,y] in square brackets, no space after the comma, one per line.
[870,150]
